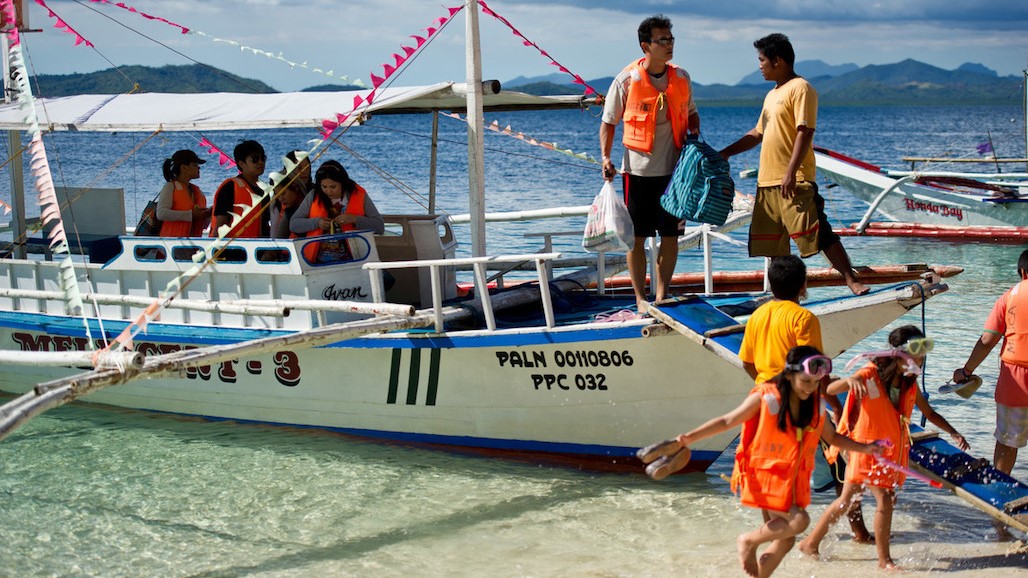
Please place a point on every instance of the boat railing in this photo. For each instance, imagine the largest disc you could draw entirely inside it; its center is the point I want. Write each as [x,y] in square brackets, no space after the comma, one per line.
[702,236]
[478,264]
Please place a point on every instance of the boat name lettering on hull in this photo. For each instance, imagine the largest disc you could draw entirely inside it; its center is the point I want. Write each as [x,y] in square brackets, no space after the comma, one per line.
[944,210]
[582,381]
[286,370]
[562,358]
[345,294]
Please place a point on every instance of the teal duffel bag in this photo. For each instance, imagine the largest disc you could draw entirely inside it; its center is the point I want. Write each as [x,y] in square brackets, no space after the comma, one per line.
[701,187]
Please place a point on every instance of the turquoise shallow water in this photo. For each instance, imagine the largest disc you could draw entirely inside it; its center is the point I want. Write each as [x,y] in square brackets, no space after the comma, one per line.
[88,491]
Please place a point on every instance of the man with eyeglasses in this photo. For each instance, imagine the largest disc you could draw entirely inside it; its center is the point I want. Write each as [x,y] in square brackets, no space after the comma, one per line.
[1008,322]
[654,99]
[239,190]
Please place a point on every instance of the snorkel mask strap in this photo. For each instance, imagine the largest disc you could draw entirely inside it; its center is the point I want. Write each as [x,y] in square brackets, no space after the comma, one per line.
[910,366]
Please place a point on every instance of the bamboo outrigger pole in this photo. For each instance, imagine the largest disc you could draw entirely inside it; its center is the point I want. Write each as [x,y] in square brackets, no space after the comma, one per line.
[53,394]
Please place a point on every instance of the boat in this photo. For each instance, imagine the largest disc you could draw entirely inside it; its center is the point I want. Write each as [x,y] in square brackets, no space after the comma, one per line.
[306,332]
[933,203]
[930,205]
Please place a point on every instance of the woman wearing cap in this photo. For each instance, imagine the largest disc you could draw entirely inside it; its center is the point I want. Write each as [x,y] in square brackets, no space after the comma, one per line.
[338,204]
[181,206]
[883,395]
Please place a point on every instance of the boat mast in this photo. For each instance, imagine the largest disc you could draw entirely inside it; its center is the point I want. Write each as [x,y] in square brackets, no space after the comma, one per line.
[476,142]
[14,136]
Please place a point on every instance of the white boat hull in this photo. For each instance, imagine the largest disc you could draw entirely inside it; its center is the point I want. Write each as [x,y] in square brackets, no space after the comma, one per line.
[588,395]
[916,203]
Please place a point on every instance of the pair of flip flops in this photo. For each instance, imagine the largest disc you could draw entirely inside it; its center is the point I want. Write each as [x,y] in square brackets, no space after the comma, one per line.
[664,458]
[965,389]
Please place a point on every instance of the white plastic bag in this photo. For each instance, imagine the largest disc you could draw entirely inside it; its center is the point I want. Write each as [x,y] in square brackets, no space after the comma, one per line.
[609,227]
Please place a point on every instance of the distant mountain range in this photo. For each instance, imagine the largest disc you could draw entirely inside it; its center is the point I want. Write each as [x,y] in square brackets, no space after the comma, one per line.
[179,79]
[906,82]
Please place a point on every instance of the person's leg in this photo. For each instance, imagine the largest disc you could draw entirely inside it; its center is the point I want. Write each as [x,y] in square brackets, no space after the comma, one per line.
[885,499]
[773,556]
[840,506]
[637,272]
[777,526]
[1004,458]
[1011,422]
[840,260]
[828,241]
[666,259]
[855,515]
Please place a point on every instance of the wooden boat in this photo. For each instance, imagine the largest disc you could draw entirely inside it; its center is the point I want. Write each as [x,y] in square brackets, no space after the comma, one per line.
[972,479]
[258,330]
[736,281]
[947,205]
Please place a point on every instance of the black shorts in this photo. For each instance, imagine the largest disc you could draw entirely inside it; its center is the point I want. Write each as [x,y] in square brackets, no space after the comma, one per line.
[642,196]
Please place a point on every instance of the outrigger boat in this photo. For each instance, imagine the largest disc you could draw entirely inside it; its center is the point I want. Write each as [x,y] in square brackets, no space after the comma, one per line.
[930,205]
[261,331]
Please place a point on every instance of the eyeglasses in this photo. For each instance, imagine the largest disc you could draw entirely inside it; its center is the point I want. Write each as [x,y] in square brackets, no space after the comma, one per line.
[919,346]
[815,366]
[668,41]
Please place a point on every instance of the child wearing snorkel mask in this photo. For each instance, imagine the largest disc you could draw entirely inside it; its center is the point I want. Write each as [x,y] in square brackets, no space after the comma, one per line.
[883,395]
[782,420]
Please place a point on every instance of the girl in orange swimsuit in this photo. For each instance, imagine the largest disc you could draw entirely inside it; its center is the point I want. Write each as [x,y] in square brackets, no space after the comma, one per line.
[884,393]
[782,420]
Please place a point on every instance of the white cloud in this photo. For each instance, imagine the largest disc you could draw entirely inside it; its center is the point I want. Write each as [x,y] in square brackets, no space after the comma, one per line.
[593,38]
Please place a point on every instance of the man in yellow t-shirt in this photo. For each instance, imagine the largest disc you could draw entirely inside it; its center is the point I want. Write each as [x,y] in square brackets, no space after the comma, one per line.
[788,205]
[780,324]
[772,330]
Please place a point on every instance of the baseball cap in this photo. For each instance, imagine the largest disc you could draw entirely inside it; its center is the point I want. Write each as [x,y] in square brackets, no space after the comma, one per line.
[185,157]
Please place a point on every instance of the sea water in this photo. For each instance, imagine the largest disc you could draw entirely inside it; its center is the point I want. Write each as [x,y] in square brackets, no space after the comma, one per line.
[90,491]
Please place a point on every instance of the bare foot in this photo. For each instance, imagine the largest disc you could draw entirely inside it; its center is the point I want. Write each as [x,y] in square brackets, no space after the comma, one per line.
[864,538]
[747,556]
[808,549]
[888,565]
[642,307]
[858,288]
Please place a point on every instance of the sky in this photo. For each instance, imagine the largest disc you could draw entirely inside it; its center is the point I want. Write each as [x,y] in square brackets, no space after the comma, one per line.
[591,38]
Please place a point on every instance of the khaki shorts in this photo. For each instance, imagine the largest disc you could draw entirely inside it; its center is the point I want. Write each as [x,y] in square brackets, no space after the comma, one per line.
[801,218]
[1011,426]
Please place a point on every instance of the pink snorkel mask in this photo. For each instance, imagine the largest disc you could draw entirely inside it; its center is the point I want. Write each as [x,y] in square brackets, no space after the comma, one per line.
[814,366]
[915,346]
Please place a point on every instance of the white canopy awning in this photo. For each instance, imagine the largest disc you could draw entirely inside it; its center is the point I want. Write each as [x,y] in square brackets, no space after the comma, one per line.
[235,111]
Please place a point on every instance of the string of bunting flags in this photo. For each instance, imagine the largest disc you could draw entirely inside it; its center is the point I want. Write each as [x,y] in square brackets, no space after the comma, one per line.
[50,212]
[577,79]
[495,127]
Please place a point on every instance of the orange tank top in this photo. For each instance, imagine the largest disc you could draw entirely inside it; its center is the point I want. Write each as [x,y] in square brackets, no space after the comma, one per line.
[875,417]
[184,199]
[354,206]
[772,467]
[241,195]
[1015,338]
[644,102]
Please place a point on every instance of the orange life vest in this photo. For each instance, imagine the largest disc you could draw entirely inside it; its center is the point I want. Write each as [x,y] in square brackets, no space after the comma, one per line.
[1015,338]
[876,419]
[644,102]
[184,199]
[772,467]
[241,195]
[354,206]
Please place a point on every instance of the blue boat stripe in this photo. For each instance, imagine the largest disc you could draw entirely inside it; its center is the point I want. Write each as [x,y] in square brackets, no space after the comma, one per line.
[433,376]
[415,373]
[394,376]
